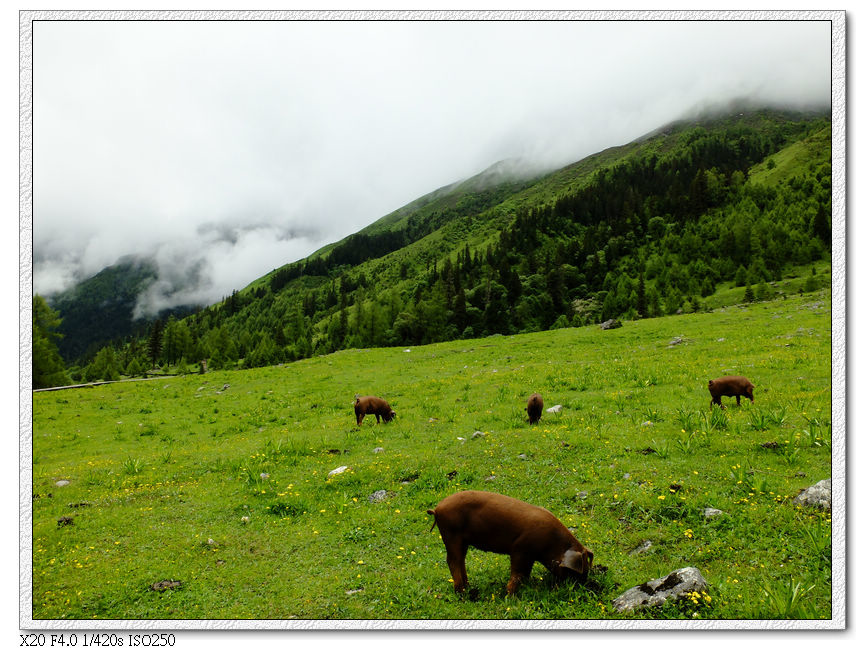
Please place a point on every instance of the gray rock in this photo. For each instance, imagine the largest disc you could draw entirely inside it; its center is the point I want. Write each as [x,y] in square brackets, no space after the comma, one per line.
[675,341]
[378,496]
[555,409]
[657,592]
[492,477]
[708,513]
[644,546]
[478,434]
[610,324]
[338,470]
[523,457]
[582,495]
[378,450]
[61,483]
[818,495]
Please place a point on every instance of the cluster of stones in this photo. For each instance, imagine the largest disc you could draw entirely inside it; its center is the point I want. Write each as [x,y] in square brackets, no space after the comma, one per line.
[682,582]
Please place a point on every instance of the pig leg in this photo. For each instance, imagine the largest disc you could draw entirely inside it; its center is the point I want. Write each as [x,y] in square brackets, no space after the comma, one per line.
[359,418]
[521,568]
[456,555]
[738,402]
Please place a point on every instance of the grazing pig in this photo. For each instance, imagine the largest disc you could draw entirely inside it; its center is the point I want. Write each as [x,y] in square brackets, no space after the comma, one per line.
[730,386]
[499,524]
[535,408]
[372,406]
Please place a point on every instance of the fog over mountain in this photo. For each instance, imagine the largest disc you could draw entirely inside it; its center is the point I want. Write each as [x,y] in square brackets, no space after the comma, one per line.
[225,149]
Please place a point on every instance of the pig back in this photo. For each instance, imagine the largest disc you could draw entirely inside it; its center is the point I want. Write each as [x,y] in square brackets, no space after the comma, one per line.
[370,405]
[730,386]
[500,524]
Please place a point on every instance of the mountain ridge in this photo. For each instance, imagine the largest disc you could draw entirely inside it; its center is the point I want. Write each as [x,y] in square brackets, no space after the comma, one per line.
[490,235]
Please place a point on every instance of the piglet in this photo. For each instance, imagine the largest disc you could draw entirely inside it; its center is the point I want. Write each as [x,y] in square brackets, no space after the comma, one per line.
[535,408]
[730,386]
[501,524]
[372,406]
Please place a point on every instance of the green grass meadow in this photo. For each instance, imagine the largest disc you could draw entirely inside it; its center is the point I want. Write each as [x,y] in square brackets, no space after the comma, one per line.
[220,481]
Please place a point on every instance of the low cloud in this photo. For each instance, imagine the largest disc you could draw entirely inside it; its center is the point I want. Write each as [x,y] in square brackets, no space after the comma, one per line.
[208,269]
[235,147]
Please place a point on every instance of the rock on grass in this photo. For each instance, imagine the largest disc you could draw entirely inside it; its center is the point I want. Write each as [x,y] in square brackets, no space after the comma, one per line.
[656,592]
[818,495]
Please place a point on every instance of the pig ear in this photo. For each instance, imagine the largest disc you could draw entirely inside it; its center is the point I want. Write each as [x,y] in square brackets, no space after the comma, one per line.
[575,561]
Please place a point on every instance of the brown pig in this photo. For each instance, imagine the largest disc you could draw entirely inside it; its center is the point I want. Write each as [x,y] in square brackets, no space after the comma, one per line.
[372,406]
[730,386]
[535,407]
[500,524]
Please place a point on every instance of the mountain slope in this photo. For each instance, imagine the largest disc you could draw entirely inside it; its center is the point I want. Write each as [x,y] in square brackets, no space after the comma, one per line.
[640,230]
[101,308]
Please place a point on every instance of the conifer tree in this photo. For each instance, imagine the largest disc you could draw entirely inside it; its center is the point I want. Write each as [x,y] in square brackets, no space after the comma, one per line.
[48,367]
[154,344]
[642,310]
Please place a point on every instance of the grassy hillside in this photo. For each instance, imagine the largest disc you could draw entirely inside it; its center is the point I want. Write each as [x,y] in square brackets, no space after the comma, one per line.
[694,216]
[221,482]
[650,228]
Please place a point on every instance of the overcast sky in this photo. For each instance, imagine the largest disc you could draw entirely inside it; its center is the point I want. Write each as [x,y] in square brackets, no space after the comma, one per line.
[226,149]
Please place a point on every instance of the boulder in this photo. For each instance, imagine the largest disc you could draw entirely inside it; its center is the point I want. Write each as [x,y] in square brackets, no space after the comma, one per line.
[657,592]
[610,324]
[709,513]
[818,495]
[378,496]
[338,470]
